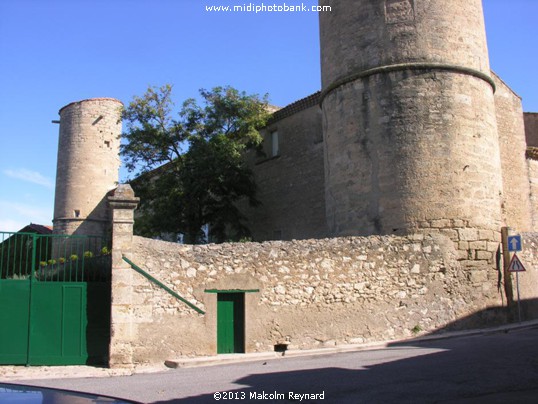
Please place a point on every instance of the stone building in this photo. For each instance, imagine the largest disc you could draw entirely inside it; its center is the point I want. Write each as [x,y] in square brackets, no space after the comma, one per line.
[383,196]
[88,165]
[411,131]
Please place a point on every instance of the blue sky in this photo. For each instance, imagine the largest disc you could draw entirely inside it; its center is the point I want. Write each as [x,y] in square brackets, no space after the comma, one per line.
[53,52]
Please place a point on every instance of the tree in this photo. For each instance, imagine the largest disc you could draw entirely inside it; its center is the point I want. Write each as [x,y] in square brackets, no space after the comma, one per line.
[191,169]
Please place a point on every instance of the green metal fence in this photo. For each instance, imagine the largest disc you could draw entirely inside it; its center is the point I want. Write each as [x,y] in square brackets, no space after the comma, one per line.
[49,258]
[54,299]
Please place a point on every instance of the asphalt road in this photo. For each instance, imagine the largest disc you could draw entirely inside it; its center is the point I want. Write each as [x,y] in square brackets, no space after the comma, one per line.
[494,368]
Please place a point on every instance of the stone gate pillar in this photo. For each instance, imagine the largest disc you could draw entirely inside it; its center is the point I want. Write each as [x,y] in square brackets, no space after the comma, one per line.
[122,203]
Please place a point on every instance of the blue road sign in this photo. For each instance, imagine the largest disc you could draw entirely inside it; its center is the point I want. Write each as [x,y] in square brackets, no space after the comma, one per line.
[514,243]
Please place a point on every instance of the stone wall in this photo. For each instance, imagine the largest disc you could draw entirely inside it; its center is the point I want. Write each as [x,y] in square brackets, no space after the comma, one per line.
[529,279]
[291,184]
[531,128]
[358,35]
[516,204]
[409,162]
[532,166]
[309,293]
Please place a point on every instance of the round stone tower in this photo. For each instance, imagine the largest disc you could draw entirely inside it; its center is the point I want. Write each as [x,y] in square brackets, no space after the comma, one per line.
[408,117]
[88,165]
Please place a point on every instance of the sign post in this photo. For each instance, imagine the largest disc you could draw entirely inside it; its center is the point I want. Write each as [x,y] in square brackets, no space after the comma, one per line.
[507,279]
[517,266]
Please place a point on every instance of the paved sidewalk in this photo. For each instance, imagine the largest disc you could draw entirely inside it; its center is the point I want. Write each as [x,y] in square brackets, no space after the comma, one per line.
[12,374]
[18,373]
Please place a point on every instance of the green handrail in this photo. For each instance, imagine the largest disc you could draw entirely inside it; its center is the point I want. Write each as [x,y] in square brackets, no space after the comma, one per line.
[161,285]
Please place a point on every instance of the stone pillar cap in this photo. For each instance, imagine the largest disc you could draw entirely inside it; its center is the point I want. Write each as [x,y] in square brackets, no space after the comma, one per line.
[123,193]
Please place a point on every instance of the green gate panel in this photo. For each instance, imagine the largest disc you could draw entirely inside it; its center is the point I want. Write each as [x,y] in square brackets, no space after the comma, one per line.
[74,322]
[54,309]
[58,324]
[230,323]
[14,320]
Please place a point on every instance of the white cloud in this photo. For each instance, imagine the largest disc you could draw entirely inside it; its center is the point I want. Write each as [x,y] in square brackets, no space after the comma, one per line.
[27,210]
[11,225]
[14,216]
[29,176]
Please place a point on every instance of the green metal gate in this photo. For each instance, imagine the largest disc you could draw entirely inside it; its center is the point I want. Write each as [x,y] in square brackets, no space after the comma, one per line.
[54,299]
[230,323]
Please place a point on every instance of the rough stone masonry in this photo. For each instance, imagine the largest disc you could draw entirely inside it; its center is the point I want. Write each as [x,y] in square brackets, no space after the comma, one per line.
[310,293]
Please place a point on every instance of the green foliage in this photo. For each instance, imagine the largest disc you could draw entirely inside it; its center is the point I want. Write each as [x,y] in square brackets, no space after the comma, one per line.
[416,329]
[200,171]
[88,254]
[51,262]
[73,257]
[105,251]
[43,263]
[61,260]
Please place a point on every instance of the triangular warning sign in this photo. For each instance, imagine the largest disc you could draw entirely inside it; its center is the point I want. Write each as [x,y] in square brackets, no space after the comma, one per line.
[516,265]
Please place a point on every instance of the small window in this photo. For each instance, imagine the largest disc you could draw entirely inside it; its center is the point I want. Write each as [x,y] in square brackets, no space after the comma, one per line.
[76,213]
[275,151]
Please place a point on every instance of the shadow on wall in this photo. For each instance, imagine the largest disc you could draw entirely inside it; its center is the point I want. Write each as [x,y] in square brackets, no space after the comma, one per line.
[96,223]
[493,316]
[450,371]
[493,368]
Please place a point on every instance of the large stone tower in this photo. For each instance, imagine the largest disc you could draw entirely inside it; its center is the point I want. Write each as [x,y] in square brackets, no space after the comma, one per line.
[88,165]
[408,117]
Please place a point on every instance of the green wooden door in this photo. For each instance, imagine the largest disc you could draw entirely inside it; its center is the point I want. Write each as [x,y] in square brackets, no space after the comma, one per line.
[230,323]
